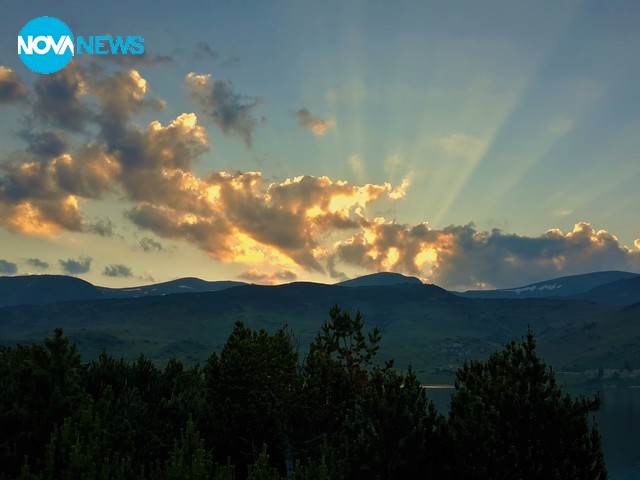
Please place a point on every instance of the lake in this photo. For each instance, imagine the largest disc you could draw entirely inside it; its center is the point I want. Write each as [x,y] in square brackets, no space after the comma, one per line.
[618,421]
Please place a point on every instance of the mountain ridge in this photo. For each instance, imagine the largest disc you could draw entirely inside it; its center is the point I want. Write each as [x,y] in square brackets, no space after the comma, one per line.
[379,279]
[614,287]
[566,286]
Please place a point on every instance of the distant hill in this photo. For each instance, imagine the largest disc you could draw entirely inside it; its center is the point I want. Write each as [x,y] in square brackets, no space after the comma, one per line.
[44,289]
[380,279]
[181,285]
[558,287]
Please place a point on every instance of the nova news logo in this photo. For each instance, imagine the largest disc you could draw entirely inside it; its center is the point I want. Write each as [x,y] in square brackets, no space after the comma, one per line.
[46,45]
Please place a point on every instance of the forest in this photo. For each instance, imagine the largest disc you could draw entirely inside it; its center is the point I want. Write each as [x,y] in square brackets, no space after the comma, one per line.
[261,409]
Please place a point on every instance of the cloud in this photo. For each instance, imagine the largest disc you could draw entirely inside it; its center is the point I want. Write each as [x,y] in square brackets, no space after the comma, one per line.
[58,99]
[74,267]
[40,194]
[8,268]
[46,144]
[232,113]
[150,245]
[637,243]
[37,263]
[12,89]
[42,187]
[103,227]
[462,257]
[155,164]
[333,272]
[204,51]
[117,270]
[240,217]
[235,217]
[121,95]
[282,276]
[147,277]
[313,123]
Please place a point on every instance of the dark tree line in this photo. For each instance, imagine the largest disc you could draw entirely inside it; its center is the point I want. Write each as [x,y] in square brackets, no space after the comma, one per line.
[257,410]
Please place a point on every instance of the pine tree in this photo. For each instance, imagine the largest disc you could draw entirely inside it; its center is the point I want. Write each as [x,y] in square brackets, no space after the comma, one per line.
[509,419]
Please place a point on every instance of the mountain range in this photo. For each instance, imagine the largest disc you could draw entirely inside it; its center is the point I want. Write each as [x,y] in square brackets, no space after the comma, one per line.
[614,287]
[581,322]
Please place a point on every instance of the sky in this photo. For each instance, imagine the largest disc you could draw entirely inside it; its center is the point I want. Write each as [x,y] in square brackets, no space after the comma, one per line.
[470,144]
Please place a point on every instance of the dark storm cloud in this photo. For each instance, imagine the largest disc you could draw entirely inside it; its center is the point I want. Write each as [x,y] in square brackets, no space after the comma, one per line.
[150,245]
[117,270]
[37,263]
[74,267]
[8,268]
[58,99]
[232,113]
[12,89]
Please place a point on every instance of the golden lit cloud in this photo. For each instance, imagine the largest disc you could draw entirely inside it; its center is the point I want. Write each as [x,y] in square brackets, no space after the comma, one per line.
[24,218]
[463,257]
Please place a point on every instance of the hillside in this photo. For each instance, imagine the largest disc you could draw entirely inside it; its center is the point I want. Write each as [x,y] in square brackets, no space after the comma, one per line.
[621,292]
[422,325]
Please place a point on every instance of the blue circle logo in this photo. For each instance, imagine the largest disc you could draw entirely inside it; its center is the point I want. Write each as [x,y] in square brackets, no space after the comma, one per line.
[45,45]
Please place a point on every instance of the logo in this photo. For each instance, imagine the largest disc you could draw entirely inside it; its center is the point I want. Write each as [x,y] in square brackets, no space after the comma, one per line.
[46,45]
